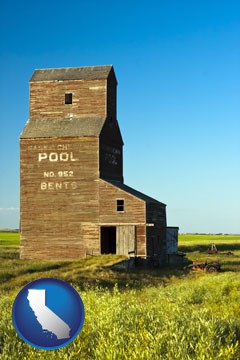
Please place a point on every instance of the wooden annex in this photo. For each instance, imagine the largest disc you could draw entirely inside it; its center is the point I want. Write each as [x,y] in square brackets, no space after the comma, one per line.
[73,198]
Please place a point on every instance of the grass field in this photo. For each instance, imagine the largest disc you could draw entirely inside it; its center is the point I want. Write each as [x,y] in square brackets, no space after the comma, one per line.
[142,313]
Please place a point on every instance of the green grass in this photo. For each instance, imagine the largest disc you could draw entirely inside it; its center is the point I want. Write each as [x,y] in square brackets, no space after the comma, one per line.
[196,247]
[168,314]
[9,238]
[208,237]
[190,241]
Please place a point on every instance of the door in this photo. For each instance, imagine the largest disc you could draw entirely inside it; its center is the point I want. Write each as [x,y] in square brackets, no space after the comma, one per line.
[108,240]
[125,240]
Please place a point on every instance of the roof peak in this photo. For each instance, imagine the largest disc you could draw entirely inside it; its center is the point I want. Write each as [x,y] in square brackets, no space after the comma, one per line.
[60,128]
[76,67]
[72,73]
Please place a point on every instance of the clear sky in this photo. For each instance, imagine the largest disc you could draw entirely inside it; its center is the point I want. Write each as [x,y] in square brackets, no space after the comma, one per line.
[178,70]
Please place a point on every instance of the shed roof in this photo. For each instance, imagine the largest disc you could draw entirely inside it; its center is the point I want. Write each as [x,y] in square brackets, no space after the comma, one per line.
[134,192]
[76,73]
[48,128]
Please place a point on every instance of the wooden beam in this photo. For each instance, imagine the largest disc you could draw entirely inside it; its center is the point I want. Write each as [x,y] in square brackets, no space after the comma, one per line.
[119,224]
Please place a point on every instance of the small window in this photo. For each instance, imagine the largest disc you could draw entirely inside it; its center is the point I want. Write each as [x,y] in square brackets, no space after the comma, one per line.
[68,98]
[120,205]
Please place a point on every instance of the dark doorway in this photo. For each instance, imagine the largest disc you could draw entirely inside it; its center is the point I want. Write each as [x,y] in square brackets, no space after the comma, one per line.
[108,240]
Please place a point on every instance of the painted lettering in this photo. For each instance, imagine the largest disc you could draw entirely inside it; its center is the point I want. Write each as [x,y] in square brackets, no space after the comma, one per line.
[43,186]
[54,157]
[64,156]
[65,173]
[60,185]
[111,159]
[51,186]
[74,185]
[48,174]
[49,147]
[42,156]
[62,147]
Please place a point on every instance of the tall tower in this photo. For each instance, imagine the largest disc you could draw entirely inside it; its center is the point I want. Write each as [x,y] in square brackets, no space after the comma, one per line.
[71,139]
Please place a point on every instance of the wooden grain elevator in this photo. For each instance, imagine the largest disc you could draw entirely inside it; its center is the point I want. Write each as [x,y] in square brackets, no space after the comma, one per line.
[73,200]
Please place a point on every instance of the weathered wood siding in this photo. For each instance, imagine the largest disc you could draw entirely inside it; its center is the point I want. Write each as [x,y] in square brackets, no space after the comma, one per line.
[141,239]
[156,235]
[112,95]
[90,234]
[110,155]
[59,197]
[134,212]
[156,213]
[47,98]
[126,240]
[65,201]
[172,240]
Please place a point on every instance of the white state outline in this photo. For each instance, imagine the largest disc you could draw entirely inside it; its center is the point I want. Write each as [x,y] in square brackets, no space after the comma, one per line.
[45,316]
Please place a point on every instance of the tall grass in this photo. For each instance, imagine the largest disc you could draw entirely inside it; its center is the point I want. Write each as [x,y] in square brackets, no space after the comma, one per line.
[148,314]
[185,320]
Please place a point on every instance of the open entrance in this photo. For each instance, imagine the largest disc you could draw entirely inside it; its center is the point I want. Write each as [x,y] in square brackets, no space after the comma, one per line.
[108,239]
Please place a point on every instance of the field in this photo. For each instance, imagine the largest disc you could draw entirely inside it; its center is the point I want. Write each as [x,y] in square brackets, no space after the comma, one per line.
[167,313]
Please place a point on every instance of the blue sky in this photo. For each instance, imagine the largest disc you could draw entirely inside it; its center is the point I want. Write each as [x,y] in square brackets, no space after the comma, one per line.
[178,70]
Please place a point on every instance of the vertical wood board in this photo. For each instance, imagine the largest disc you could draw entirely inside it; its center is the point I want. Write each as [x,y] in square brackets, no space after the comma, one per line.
[125,239]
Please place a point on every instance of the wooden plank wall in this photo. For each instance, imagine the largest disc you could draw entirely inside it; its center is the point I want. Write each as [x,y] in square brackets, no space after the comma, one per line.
[172,240]
[141,240]
[156,235]
[111,156]
[47,98]
[125,239]
[59,193]
[90,234]
[134,212]
[112,96]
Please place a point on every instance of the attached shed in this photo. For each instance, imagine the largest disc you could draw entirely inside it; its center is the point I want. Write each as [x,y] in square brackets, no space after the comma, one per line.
[140,221]
[172,240]
[73,198]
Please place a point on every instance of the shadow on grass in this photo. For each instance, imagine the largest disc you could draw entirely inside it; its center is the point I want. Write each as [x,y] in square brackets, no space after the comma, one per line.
[5,277]
[93,272]
[9,253]
[42,267]
[19,272]
[98,271]
[231,266]
[134,278]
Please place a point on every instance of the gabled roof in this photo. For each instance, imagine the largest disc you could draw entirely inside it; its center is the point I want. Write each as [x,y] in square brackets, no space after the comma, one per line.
[76,73]
[112,127]
[50,128]
[134,192]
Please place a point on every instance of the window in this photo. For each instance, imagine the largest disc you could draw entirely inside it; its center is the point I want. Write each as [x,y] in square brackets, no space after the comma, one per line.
[120,205]
[68,98]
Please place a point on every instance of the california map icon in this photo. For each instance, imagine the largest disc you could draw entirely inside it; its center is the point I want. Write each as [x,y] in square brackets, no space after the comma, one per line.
[48,313]
[46,317]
